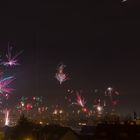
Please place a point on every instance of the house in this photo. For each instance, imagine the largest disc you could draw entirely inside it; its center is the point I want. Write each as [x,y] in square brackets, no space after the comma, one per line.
[55,132]
[117,132]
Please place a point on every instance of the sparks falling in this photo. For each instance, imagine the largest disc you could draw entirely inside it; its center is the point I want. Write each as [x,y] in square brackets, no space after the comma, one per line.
[60,75]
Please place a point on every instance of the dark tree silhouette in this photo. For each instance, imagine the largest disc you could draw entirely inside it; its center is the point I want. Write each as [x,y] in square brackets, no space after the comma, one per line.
[23,130]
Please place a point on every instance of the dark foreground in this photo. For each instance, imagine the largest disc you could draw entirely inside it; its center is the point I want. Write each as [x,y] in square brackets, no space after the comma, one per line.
[26,130]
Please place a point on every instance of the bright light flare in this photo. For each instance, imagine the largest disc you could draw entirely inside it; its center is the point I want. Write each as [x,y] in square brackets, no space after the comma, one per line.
[61,112]
[55,112]
[109,89]
[99,108]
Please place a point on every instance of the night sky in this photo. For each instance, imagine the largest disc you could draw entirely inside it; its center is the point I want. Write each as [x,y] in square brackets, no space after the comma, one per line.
[99,41]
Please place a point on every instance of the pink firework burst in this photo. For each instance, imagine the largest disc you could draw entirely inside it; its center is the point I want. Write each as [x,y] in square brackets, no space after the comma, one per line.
[80,100]
[11,59]
[60,75]
[4,84]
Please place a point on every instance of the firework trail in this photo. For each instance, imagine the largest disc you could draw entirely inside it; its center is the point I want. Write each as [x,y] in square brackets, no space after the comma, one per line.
[80,100]
[60,75]
[4,85]
[11,59]
[7,121]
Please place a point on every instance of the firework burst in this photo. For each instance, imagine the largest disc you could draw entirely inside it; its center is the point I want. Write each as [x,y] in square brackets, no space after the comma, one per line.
[60,75]
[11,60]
